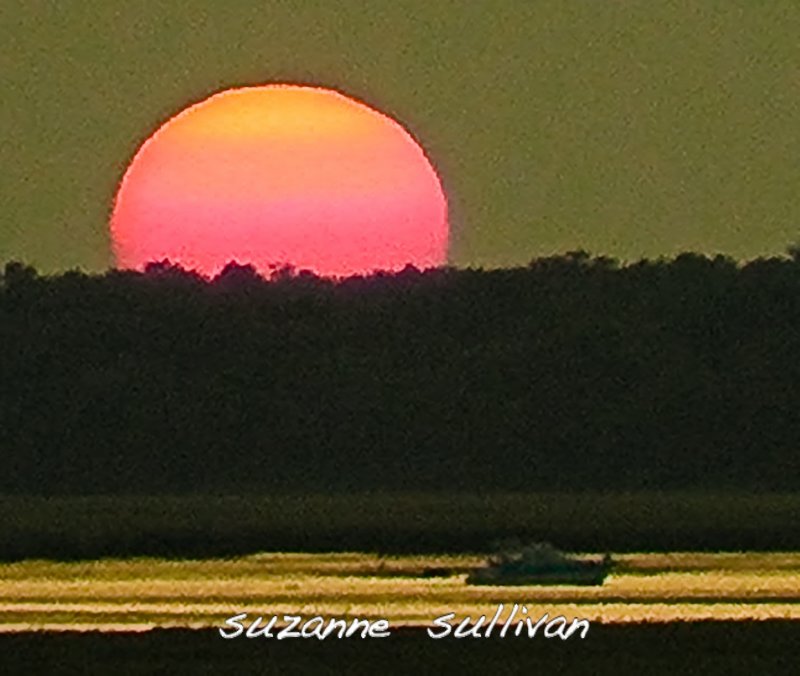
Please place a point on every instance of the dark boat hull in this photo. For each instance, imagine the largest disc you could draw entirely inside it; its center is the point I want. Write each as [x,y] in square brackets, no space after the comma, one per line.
[594,575]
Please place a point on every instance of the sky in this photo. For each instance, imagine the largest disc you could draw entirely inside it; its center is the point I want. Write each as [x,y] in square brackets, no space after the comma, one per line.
[631,129]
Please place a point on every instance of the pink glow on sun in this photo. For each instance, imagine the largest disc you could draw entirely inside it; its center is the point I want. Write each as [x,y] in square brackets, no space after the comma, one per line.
[276,175]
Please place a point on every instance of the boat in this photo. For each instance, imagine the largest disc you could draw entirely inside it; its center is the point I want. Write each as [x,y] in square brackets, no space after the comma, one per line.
[540,564]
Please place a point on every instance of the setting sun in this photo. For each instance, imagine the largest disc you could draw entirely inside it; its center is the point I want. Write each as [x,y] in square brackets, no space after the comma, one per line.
[281,175]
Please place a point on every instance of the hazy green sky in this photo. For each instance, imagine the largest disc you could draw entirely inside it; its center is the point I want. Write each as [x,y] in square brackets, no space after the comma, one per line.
[635,128]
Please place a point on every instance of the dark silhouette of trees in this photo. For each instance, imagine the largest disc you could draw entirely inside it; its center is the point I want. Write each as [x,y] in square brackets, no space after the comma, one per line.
[573,372]
[17,275]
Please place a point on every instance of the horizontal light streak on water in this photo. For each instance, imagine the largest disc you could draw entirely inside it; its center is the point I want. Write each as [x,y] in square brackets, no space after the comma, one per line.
[139,594]
[602,614]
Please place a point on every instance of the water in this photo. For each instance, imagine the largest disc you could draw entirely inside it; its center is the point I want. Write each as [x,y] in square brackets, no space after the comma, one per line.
[139,594]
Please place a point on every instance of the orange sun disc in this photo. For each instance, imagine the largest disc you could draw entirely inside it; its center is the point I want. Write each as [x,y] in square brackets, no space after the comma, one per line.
[281,175]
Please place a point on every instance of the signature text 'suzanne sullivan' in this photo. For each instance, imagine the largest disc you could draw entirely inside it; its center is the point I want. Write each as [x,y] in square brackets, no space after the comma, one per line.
[516,623]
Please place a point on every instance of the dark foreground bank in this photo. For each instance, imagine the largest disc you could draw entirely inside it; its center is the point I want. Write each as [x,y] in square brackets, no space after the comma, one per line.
[680,648]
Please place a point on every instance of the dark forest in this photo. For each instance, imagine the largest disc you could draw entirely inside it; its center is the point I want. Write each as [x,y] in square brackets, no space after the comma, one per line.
[573,373]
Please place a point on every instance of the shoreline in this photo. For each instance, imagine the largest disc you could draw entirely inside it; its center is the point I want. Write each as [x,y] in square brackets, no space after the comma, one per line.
[397,628]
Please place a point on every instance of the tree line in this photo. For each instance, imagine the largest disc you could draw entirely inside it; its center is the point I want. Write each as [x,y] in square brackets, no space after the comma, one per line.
[574,372]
